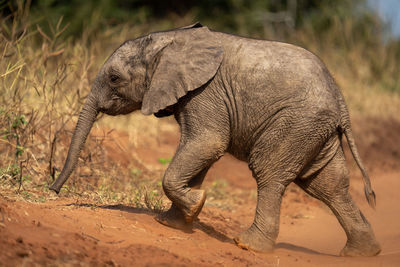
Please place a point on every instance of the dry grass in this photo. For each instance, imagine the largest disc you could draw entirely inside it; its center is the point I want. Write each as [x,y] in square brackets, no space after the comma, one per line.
[44,80]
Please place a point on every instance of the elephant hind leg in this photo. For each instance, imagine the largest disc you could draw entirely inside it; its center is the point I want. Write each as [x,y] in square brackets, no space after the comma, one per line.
[261,235]
[276,159]
[330,185]
[272,180]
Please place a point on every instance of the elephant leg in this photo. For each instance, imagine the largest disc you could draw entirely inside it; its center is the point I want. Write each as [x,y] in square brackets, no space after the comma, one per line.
[184,176]
[174,217]
[263,232]
[330,185]
[277,158]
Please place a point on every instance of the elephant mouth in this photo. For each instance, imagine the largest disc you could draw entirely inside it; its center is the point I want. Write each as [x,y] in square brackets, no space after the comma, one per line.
[164,113]
[120,107]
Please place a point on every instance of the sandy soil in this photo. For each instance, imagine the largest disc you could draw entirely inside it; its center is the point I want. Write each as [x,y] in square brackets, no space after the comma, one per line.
[72,232]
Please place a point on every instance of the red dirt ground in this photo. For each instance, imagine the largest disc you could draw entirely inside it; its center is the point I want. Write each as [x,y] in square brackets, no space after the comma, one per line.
[71,232]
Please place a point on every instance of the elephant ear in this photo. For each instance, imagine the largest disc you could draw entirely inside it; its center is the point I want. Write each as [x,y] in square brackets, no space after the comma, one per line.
[186,63]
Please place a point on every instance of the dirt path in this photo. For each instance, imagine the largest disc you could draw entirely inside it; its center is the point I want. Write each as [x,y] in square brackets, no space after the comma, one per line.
[67,231]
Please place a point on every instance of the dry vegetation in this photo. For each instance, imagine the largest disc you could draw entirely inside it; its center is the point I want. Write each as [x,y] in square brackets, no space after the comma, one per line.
[44,79]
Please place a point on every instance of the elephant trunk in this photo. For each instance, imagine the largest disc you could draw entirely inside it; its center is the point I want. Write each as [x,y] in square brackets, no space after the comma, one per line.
[85,122]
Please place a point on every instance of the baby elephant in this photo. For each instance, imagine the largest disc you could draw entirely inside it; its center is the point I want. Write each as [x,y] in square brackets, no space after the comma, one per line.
[271,104]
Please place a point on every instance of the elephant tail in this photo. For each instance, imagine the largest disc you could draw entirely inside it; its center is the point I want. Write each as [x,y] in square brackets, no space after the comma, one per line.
[346,129]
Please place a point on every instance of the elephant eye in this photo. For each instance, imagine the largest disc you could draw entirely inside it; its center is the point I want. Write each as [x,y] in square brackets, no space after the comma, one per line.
[114,78]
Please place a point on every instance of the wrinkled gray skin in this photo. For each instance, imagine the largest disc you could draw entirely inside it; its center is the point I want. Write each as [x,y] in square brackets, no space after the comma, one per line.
[271,104]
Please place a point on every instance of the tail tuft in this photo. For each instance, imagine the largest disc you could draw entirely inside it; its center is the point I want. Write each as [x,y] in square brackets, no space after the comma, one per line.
[370,196]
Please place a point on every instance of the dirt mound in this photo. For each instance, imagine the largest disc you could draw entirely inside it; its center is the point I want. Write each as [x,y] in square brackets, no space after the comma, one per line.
[76,231]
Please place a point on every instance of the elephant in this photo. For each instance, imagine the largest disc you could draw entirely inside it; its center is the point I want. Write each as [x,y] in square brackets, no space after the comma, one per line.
[271,104]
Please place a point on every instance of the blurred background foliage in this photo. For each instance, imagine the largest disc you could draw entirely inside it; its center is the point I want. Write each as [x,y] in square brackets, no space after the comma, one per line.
[51,50]
[262,18]
[319,25]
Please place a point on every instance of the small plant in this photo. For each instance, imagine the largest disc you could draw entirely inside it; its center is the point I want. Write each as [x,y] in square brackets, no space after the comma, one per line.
[27,195]
[17,123]
[164,161]
[153,200]
[12,171]
[136,200]
[107,194]
[12,131]
[145,192]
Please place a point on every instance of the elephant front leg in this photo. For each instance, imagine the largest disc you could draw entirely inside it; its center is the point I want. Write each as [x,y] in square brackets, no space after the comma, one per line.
[174,217]
[182,181]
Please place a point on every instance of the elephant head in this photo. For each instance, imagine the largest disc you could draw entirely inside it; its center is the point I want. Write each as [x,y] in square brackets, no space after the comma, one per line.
[150,73]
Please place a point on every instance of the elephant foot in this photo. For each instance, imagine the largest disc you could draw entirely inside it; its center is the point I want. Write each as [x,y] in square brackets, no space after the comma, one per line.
[196,198]
[255,241]
[361,249]
[174,218]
